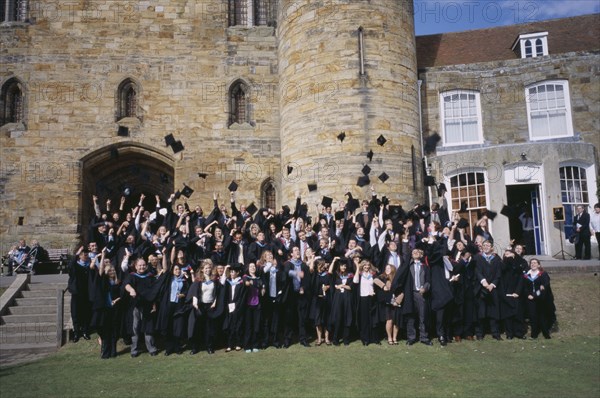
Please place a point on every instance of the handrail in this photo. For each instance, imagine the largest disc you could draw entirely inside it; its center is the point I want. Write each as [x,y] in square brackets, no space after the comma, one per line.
[60,316]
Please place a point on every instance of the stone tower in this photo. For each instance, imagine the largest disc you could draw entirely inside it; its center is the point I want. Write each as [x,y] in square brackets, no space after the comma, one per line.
[348,66]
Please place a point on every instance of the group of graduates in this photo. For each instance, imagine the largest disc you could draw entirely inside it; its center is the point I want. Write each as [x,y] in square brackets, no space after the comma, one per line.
[254,278]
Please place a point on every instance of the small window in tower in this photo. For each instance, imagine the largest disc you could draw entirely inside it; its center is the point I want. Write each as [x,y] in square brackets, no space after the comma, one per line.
[239,104]
[128,96]
[12,102]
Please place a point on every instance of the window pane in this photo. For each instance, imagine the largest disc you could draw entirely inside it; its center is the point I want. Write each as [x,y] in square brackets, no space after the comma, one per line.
[574,190]
[460,114]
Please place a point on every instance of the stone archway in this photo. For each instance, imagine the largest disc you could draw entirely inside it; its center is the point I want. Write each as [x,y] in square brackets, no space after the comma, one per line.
[124,169]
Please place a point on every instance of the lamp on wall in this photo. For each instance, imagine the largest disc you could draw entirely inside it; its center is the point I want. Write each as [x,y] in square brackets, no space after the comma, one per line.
[523,156]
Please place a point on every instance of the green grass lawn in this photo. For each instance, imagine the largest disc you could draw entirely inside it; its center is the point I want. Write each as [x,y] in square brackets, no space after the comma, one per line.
[566,365]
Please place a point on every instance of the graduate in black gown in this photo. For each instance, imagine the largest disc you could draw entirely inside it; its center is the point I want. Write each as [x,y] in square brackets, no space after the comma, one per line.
[389,303]
[342,303]
[206,296]
[143,288]
[296,298]
[441,290]
[252,312]
[488,270]
[540,300]
[235,294]
[172,311]
[320,306]
[366,314]
[274,278]
[510,297]
[460,260]
[414,280]
[81,308]
[105,290]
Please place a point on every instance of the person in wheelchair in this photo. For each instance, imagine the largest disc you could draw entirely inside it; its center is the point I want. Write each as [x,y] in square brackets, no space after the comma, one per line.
[18,257]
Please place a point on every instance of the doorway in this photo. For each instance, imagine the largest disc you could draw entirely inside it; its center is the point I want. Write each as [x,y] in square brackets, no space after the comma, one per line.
[526,200]
[124,170]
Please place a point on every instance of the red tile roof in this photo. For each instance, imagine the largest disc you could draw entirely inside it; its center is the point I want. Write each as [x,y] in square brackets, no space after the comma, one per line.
[580,33]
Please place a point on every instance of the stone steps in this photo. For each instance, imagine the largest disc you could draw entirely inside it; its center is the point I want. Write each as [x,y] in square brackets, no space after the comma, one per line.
[7,350]
[29,318]
[28,330]
[33,310]
[36,301]
[24,337]
[39,293]
[42,328]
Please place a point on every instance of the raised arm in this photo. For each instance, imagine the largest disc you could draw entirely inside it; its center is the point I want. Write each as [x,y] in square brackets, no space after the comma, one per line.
[96,207]
[335,259]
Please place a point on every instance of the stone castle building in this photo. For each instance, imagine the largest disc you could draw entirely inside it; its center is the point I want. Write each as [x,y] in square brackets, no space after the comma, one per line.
[257,91]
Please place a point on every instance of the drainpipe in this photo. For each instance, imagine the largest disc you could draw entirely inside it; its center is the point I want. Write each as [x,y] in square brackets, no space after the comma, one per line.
[427,170]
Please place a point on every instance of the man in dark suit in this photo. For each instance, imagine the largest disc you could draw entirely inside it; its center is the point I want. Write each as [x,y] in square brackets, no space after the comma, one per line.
[581,225]
[414,278]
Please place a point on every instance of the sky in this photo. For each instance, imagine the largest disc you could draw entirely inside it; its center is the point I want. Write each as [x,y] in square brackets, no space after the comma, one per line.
[439,16]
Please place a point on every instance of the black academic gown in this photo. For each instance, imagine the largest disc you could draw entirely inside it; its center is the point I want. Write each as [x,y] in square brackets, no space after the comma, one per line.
[488,302]
[320,306]
[541,310]
[441,291]
[172,317]
[147,289]
[106,318]
[342,306]
[195,315]
[234,319]
[512,282]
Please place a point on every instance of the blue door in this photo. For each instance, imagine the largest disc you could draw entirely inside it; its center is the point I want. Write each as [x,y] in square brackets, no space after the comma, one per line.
[536,211]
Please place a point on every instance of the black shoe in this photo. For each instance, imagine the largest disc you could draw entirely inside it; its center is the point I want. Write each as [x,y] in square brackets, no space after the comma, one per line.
[210,351]
[75,338]
[305,343]
[498,338]
[346,343]
[377,343]
[86,336]
[153,354]
[137,354]
[277,345]
[547,336]
[194,351]
[410,342]
[479,338]
[336,343]
[442,341]
[427,342]
[286,345]
[365,343]
[167,353]
[509,338]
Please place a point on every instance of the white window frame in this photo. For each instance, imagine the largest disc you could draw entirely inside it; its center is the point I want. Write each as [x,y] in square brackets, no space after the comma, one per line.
[474,210]
[567,100]
[443,117]
[532,37]
[591,182]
